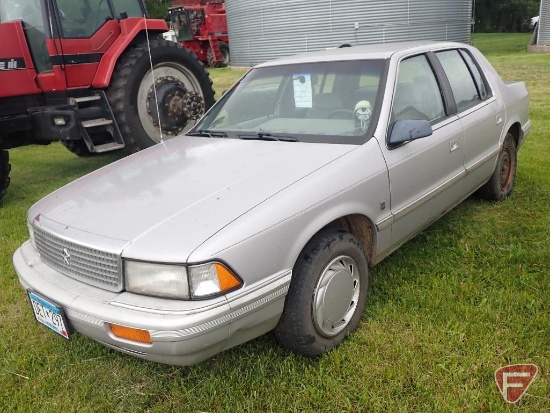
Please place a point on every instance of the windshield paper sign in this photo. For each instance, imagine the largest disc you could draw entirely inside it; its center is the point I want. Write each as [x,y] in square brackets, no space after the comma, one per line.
[303,92]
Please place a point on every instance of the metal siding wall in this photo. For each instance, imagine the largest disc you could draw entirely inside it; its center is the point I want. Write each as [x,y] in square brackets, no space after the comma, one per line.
[543,38]
[264,30]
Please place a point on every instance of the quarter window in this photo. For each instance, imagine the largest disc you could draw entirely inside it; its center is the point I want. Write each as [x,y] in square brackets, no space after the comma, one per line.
[462,84]
[480,82]
[417,93]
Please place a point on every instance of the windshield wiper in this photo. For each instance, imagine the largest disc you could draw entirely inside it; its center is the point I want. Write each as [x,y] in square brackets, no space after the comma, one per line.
[265,136]
[207,133]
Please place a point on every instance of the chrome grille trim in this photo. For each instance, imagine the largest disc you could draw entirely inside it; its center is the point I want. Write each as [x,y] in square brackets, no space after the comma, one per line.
[84,263]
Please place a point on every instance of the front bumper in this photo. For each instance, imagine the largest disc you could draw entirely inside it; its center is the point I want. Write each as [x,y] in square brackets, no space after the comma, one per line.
[183,332]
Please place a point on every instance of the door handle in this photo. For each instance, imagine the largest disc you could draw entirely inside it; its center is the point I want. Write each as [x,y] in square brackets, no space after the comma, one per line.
[453,145]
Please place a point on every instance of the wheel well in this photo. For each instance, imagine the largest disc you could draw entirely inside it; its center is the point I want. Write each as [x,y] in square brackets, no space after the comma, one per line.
[516,132]
[360,226]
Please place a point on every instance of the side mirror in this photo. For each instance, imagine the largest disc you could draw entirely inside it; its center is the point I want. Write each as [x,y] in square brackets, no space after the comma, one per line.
[408,130]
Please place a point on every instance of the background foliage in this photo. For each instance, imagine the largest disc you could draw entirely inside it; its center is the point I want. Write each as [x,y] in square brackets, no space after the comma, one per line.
[505,15]
[158,9]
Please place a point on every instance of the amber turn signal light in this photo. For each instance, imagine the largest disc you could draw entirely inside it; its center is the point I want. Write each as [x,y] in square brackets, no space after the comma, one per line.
[134,334]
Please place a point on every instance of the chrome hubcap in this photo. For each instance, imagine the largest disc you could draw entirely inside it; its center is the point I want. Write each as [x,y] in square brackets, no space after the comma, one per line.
[335,296]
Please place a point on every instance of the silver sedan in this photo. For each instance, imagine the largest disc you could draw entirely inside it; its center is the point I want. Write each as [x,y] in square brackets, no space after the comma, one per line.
[268,214]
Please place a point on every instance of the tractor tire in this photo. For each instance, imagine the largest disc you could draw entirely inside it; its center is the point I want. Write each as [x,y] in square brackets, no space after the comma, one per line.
[181,84]
[78,147]
[224,47]
[5,169]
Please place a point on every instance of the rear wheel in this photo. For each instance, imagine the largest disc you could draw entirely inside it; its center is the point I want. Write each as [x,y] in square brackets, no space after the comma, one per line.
[5,169]
[502,181]
[224,48]
[326,296]
[182,87]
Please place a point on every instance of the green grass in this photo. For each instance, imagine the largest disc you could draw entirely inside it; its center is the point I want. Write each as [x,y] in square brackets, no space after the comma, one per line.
[468,295]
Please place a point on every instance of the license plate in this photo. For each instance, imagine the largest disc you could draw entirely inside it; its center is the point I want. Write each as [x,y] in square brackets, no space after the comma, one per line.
[49,314]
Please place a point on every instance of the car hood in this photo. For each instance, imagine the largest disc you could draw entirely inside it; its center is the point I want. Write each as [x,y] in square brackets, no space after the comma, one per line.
[167,200]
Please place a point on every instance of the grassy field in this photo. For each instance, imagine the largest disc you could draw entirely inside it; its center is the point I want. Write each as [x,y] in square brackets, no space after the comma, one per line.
[467,296]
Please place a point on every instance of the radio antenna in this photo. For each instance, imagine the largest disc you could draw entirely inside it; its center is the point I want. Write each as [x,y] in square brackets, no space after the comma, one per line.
[154,81]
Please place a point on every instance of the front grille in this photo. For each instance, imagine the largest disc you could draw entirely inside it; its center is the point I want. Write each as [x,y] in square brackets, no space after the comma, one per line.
[89,265]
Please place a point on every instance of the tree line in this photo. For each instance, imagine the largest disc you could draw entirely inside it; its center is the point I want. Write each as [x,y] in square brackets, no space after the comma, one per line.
[158,9]
[504,15]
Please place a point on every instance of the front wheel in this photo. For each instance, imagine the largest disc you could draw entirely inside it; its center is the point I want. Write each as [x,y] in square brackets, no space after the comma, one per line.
[327,294]
[5,169]
[176,80]
[501,183]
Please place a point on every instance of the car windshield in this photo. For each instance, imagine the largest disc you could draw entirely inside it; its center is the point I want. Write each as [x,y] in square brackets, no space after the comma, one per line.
[331,102]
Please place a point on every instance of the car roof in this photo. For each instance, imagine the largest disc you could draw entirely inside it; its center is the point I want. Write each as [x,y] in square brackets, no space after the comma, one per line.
[372,51]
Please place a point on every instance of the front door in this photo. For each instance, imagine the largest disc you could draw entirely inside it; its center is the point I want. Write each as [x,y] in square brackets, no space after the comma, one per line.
[422,173]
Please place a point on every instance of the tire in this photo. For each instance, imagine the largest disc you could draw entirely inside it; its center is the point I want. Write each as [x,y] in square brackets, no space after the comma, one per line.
[5,169]
[316,318]
[78,147]
[224,48]
[501,183]
[183,88]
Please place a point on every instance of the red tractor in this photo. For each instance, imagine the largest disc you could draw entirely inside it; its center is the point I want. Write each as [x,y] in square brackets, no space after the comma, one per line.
[95,75]
[201,26]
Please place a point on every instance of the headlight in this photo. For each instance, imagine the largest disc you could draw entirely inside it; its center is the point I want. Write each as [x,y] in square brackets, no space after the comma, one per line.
[211,279]
[161,280]
[178,281]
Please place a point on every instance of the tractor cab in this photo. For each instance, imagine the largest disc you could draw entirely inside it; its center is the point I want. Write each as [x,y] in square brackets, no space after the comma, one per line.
[95,75]
[35,24]
[181,24]
[201,26]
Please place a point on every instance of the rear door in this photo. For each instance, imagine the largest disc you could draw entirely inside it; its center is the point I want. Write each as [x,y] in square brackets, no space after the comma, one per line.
[423,173]
[479,111]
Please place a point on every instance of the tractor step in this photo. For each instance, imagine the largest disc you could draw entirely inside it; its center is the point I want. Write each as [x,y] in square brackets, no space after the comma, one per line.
[87,98]
[106,147]
[216,51]
[98,127]
[92,123]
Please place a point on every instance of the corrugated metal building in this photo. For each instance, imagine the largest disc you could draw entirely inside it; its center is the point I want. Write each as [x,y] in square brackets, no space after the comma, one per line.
[263,30]
[543,35]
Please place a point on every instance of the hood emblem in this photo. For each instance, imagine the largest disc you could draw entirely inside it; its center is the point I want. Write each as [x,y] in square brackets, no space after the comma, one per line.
[66,256]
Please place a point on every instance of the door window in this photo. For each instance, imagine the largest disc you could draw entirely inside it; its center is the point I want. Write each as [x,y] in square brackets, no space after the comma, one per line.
[462,84]
[482,87]
[417,94]
[82,18]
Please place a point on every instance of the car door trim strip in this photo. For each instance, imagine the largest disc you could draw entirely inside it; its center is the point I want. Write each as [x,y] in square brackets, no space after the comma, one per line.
[429,195]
